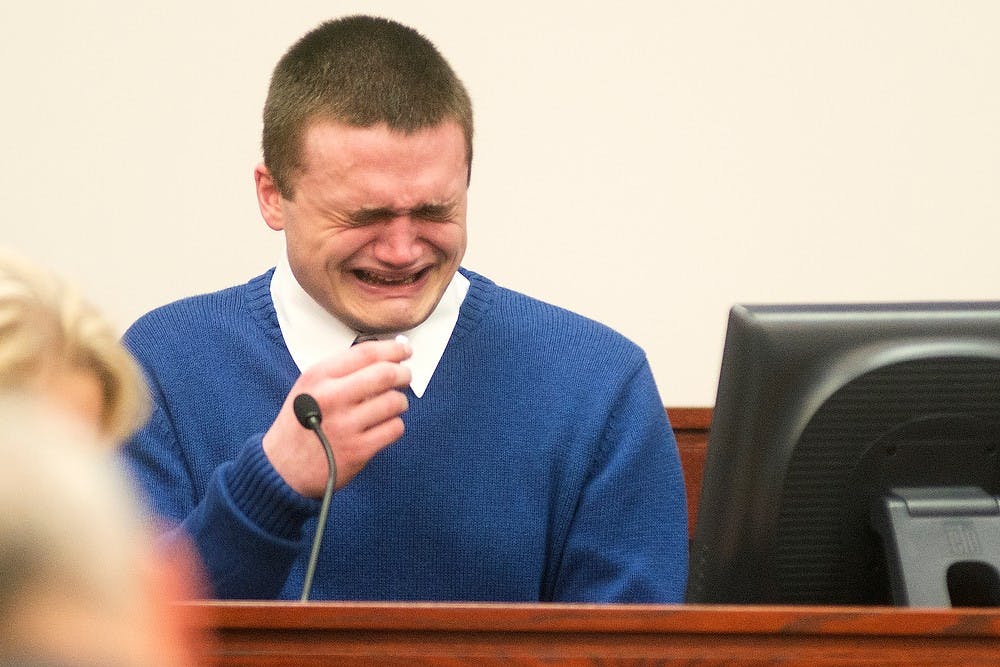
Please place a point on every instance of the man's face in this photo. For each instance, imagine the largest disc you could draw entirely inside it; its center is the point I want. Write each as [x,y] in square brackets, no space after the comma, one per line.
[375,229]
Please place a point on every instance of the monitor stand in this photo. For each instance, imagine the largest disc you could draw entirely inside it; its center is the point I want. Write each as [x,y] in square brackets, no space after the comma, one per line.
[942,545]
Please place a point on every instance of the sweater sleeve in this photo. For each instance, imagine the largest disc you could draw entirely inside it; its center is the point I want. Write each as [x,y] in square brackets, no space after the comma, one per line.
[247,528]
[628,538]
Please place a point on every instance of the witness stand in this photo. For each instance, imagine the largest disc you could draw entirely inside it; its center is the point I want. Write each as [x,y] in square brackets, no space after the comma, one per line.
[289,633]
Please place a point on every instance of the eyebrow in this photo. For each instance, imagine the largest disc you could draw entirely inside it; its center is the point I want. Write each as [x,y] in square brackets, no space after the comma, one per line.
[366,216]
[431,212]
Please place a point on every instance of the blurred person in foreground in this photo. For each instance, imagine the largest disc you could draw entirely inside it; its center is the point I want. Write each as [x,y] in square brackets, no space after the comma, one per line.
[509,450]
[79,582]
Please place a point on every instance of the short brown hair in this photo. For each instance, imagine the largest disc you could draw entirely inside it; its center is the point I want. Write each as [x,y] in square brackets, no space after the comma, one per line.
[360,71]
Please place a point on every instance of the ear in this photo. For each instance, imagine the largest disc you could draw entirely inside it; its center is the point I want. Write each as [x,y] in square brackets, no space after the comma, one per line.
[268,198]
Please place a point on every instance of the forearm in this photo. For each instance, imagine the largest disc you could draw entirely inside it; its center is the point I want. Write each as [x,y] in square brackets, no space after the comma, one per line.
[247,528]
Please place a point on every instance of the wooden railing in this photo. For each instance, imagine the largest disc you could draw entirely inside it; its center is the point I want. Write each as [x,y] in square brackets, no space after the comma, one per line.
[691,426]
[337,633]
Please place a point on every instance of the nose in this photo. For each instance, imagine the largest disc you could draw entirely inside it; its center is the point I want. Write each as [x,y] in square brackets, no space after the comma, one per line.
[397,243]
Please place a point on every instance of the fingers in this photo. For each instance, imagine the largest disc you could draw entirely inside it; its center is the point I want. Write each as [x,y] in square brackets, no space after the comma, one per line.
[376,437]
[370,413]
[363,384]
[359,432]
[359,395]
[361,356]
[357,375]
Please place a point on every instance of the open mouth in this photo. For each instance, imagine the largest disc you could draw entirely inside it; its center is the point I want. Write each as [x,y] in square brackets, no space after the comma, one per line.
[389,280]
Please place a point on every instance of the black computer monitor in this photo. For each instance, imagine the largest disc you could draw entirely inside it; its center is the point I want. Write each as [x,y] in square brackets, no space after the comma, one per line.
[853,458]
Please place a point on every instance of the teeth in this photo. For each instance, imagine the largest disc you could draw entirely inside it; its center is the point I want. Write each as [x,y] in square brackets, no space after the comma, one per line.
[380,280]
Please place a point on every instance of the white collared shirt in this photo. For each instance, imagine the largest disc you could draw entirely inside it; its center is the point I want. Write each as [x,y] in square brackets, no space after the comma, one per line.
[313,334]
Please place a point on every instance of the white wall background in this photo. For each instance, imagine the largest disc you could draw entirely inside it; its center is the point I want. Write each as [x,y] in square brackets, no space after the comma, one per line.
[644,163]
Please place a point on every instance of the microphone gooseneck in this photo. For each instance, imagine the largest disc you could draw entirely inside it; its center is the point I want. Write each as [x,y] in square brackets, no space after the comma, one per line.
[309,415]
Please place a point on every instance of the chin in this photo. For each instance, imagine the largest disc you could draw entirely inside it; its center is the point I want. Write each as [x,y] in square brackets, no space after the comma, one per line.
[389,314]
[389,323]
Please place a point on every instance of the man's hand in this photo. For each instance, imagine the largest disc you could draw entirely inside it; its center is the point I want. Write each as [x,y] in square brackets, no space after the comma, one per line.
[358,392]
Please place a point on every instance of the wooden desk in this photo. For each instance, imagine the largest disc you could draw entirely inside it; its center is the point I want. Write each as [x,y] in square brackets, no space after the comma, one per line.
[385,634]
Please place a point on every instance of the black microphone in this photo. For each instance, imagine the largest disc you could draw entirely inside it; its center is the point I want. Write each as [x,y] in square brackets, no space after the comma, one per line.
[308,413]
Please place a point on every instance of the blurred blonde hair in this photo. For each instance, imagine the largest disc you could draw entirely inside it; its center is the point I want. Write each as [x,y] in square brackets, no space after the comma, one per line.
[46,326]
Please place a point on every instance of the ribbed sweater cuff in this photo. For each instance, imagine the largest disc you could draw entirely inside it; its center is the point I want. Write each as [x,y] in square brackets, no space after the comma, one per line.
[262,495]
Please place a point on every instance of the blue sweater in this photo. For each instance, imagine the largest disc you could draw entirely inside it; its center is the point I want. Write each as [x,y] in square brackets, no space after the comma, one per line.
[538,465]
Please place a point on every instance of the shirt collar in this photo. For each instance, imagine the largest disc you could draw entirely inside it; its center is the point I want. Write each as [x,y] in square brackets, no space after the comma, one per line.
[312,334]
